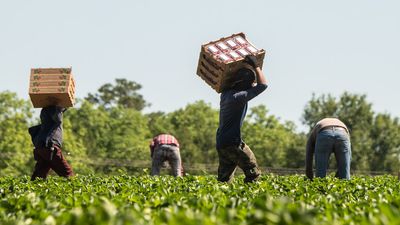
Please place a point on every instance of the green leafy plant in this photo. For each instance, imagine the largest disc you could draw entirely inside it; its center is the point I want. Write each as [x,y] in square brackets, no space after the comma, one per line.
[124,199]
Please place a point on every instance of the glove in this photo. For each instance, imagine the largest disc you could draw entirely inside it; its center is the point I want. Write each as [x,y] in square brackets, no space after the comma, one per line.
[251,60]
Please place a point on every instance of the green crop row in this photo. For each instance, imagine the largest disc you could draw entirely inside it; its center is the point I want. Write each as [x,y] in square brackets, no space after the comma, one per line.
[190,200]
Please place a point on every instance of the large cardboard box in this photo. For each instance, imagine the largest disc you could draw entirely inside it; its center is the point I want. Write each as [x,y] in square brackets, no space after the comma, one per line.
[52,86]
[219,60]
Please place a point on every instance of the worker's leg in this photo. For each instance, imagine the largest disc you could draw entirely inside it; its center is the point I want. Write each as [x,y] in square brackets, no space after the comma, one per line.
[59,164]
[248,163]
[323,149]
[157,161]
[174,159]
[343,154]
[227,163]
[42,167]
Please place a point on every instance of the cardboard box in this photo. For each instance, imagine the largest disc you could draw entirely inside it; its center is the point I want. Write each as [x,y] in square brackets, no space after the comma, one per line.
[219,60]
[52,86]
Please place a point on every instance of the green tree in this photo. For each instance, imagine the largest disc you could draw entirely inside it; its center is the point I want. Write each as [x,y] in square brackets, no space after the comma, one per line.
[15,143]
[195,127]
[159,122]
[274,144]
[385,136]
[129,134]
[90,124]
[109,135]
[123,93]
[74,147]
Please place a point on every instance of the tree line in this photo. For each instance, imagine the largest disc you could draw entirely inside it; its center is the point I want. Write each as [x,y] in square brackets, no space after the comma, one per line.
[110,127]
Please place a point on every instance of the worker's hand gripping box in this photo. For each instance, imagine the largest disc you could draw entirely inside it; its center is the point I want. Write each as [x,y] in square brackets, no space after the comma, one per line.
[219,60]
[52,86]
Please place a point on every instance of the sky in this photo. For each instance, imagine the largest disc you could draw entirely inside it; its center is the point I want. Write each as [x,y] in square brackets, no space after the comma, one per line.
[313,46]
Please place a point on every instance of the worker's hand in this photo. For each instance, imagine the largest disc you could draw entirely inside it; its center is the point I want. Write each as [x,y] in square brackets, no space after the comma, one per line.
[251,60]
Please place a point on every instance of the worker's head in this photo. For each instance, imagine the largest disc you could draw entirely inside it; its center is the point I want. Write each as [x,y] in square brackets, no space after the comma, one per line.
[244,79]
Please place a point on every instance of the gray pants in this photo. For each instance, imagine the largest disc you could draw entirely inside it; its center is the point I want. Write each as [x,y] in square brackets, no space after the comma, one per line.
[168,153]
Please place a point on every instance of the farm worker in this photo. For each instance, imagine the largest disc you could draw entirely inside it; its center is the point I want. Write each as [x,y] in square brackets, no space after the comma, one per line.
[329,135]
[47,139]
[165,147]
[248,82]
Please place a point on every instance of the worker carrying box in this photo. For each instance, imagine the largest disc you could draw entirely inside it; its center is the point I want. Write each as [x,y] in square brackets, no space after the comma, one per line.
[220,59]
[52,86]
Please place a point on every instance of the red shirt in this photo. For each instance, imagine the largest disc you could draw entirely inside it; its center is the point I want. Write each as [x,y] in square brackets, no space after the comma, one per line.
[163,139]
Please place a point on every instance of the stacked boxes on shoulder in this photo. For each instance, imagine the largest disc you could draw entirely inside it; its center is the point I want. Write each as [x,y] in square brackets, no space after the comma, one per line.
[219,60]
[52,86]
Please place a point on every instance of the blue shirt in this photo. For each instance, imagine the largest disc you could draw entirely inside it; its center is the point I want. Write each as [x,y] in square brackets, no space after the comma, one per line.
[51,127]
[233,108]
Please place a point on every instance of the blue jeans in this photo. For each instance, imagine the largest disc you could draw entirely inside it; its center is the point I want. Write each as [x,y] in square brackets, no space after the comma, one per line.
[337,141]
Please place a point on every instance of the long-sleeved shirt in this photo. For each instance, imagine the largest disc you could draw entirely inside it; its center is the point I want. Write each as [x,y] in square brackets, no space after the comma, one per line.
[163,139]
[233,108]
[50,133]
[327,122]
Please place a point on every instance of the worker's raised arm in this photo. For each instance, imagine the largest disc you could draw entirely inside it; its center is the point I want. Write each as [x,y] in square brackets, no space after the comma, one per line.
[252,61]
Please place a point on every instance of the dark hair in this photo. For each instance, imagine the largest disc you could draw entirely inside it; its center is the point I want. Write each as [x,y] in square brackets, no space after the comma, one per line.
[244,78]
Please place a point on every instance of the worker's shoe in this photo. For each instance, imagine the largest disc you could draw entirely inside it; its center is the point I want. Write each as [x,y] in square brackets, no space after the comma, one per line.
[253,175]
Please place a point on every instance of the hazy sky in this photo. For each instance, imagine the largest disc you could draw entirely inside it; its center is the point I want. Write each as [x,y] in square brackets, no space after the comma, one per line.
[312,46]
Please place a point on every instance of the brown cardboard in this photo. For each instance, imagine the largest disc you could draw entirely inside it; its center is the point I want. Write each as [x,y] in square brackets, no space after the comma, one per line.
[46,99]
[214,71]
[51,83]
[52,86]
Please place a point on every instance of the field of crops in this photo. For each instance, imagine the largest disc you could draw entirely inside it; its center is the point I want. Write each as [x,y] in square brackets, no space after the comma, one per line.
[127,199]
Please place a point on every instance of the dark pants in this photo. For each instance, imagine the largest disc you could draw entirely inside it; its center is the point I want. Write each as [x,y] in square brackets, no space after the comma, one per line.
[232,156]
[45,161]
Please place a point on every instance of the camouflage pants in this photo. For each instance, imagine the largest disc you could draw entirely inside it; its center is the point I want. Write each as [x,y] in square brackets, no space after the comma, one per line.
[232,156]
[168,153]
